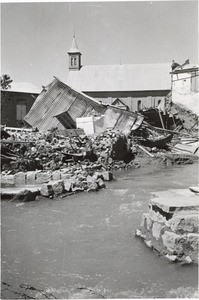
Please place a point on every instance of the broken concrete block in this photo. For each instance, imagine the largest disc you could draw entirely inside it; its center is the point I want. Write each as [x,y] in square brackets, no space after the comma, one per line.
[57,186]
[173,242]
[156,230]
[46,190]
[191,242]
[20,178]
[8,180]
[107,176]
[184,222]
[43,177]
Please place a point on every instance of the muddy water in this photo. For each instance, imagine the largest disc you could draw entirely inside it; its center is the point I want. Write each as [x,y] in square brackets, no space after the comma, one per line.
[88,240]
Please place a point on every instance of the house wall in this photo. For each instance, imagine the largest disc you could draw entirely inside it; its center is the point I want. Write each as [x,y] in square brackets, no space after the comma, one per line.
[185,90]
[148,98]
[9,102]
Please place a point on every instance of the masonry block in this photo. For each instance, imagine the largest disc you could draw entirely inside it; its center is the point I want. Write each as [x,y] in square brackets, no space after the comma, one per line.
[7,180]
[43,177]
[46,190]
[173,242]
[184,222]
[56,175]
[57,186]
[107,176]
[156,230]
[20,178]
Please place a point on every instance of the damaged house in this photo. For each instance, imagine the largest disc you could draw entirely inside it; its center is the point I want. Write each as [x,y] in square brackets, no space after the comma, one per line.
[185,86]
[137,86]
[59,106]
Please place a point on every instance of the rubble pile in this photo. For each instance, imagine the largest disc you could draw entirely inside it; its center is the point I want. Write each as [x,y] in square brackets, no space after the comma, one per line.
[50,151]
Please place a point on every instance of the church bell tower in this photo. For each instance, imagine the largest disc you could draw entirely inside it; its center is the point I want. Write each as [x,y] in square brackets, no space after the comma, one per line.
[74,56]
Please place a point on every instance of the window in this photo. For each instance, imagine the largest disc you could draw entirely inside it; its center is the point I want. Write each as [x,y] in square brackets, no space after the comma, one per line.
[21,110]
[75,59]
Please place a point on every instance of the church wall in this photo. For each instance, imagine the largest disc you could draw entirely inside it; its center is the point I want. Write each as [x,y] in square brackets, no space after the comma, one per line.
[148,98]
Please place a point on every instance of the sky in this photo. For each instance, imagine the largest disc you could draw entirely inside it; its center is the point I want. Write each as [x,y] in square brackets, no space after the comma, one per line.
[35,37]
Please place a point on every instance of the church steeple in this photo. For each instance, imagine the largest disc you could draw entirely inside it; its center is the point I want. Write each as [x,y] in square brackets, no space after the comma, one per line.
[74,56]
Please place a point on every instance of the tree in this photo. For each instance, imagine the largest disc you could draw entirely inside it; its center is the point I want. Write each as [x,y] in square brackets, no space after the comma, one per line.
[5,82]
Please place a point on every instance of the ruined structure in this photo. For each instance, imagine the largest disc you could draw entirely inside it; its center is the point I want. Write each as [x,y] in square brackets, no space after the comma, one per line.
[171,225]
[185,87]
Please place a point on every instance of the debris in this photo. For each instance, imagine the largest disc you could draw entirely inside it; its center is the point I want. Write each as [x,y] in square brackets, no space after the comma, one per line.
[143,149]
[25,196]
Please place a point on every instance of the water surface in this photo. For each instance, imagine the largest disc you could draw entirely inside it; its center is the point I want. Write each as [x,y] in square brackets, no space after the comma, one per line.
[88,240]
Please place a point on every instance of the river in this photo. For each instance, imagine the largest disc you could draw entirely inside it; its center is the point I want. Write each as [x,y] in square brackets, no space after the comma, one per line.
[88,240]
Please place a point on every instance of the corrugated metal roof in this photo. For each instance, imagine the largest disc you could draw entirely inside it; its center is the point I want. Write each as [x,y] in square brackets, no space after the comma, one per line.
[23,87]
[55,99]
[138,77]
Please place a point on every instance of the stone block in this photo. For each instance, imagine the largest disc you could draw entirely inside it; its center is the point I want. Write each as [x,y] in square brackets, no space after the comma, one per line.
[31,177]
[97,175]
[8,180]
[107,176]
[68,185]
[100,183]
[146,221]
[77,189]
[56,175]
[57,186]
[20,178]
[156,230]
[184,222]
[173,242]
[93,187]
[43,177]
[46,190]
[65,176]
[192,240]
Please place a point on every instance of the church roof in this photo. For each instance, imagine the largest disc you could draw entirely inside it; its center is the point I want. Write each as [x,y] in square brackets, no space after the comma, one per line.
[136,77]
[74,47]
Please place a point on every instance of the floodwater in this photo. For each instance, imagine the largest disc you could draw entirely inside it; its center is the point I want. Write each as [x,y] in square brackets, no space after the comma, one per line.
[87,240]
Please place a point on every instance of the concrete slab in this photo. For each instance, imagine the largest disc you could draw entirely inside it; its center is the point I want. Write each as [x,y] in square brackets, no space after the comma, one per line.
[172,200]
[173,192]
[18,189]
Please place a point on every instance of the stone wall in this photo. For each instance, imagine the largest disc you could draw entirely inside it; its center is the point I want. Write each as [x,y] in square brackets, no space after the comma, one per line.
[171,225]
